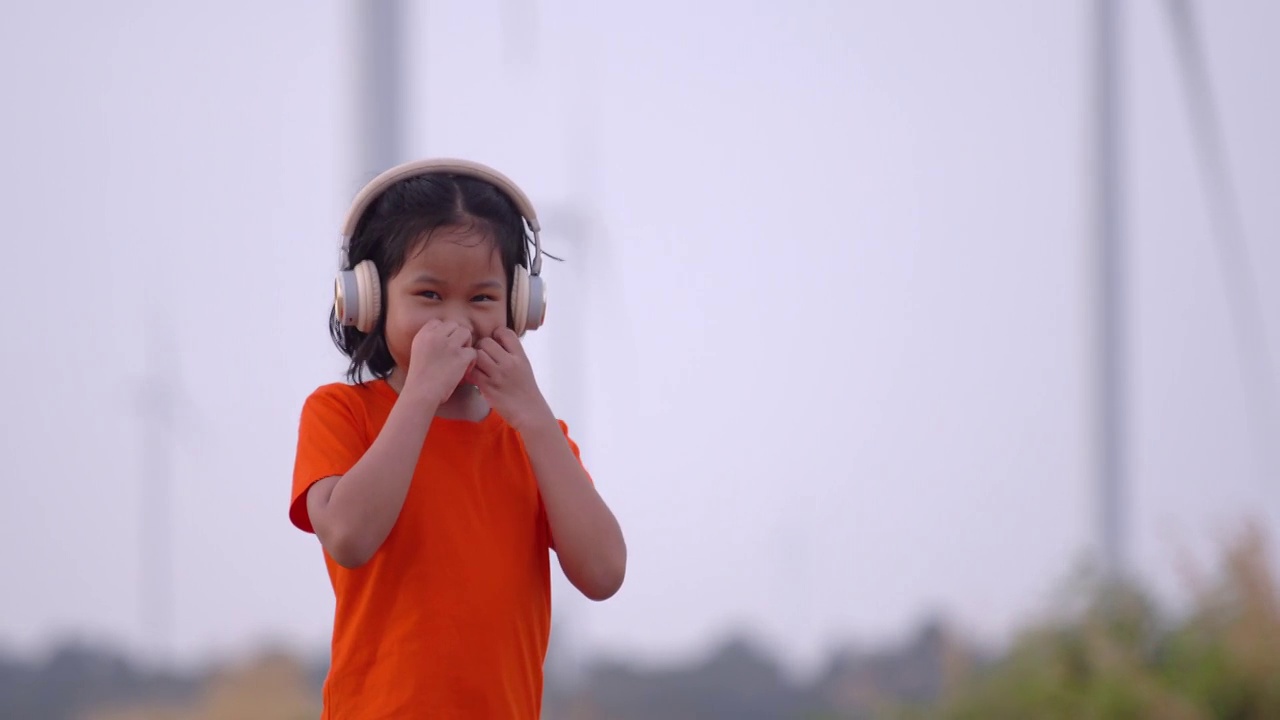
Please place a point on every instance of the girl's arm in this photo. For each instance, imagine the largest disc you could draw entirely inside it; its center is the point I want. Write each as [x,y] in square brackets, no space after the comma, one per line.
[588,540]
[352,514]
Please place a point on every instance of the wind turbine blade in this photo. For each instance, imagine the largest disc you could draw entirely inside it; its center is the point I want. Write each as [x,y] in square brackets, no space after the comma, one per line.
[1232,247]
[603,273]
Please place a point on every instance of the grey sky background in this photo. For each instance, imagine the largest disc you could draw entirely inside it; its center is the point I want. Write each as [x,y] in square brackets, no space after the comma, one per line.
[834,301]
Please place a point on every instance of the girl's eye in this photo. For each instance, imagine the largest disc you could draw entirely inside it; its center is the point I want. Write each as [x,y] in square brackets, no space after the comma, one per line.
[430,294]
[483,298]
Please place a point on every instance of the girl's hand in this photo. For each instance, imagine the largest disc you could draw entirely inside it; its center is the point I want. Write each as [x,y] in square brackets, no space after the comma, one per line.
[440,356]
[505,378]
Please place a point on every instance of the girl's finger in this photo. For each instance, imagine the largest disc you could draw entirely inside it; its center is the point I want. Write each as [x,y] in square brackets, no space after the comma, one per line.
[485,362]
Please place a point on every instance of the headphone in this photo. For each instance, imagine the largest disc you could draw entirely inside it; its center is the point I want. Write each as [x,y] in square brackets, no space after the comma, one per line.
[357,293]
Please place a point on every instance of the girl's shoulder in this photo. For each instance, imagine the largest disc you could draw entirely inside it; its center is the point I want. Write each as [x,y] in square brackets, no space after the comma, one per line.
[369,391]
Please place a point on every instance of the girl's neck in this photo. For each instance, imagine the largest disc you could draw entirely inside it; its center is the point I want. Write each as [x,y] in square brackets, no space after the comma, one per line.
[466,402]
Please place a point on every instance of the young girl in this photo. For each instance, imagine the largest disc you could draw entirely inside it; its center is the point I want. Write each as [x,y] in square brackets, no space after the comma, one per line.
[438,485]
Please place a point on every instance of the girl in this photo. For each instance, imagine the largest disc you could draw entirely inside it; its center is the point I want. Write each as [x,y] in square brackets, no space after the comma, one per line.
[437,487]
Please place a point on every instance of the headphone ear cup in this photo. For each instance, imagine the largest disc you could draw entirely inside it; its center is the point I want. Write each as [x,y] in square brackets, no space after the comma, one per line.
[537,303]
[370,296]
[528,301]
[357,297]
[346,297]
[520,300]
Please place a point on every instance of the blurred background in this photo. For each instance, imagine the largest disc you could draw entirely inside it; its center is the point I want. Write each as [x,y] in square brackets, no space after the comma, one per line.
[926,351]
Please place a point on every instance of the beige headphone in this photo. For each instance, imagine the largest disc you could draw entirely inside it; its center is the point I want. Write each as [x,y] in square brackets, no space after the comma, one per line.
[357,294]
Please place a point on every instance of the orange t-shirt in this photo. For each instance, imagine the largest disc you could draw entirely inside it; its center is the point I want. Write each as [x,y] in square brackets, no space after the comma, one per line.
[451,616]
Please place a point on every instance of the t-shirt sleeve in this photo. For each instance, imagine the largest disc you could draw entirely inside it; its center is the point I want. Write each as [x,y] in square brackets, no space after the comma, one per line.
[331,438]
[564,428]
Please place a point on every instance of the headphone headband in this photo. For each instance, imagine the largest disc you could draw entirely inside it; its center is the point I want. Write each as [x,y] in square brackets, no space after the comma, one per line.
[446,166]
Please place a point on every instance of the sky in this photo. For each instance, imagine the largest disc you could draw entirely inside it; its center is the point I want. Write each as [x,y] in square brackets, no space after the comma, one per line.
[823,330]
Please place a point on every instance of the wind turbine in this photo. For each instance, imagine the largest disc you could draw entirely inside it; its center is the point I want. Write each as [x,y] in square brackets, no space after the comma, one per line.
[159,403]
[1109,394]
[1109,229]
[380,102]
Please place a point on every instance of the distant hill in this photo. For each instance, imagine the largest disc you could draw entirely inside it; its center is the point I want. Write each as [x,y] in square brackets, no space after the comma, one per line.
[738,680]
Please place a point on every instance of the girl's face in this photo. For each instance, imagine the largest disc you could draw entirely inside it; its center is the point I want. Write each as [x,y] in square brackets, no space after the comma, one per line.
[456,275]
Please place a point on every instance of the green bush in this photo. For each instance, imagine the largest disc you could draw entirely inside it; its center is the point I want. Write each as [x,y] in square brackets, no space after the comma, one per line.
[1118,658]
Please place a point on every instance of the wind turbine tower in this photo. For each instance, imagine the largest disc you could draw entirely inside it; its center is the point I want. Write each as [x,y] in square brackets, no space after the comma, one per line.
[157,407]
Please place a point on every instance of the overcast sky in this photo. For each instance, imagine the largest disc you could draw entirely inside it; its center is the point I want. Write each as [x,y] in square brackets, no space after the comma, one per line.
[833,297]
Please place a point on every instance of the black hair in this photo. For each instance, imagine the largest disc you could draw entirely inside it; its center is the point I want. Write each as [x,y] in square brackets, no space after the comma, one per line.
[397,223]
